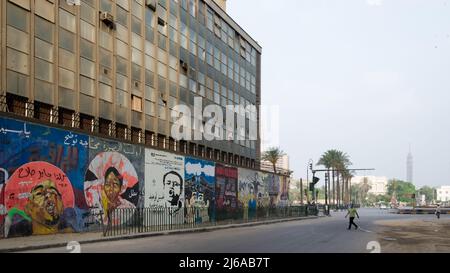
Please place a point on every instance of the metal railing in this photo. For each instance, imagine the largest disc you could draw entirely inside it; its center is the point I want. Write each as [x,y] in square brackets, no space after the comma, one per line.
[143,220]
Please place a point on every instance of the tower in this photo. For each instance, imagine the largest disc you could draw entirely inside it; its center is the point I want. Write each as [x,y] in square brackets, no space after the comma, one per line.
[409,166]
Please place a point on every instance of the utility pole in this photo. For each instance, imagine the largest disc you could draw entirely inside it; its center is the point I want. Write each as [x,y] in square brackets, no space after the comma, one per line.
[301,191]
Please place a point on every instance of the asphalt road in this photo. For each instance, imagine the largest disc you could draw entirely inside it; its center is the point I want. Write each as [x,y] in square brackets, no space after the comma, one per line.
[323,235]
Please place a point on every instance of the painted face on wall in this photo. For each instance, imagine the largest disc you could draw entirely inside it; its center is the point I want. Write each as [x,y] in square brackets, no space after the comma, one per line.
[45,204]
[113,184]
[172,187]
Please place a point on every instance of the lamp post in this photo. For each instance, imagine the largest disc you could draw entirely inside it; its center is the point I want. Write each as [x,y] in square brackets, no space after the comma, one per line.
[326,193]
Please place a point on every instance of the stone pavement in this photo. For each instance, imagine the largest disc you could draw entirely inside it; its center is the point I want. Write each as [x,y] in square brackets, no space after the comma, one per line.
[62,239]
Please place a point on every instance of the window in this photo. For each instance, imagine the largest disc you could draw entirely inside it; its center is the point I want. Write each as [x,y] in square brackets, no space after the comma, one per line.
[17,17]
[121,98]
[17,61]
[43,29]
[87,31]
[66,40]
[18,40]
[136,103]
[67,20]
[43,70]
[136,25]
[122,16]
[66,78]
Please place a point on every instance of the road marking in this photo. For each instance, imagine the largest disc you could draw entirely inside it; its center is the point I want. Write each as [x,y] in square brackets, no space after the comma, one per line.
[365,230]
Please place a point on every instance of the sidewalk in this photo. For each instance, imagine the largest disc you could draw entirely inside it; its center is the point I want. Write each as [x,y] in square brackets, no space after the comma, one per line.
[61,240]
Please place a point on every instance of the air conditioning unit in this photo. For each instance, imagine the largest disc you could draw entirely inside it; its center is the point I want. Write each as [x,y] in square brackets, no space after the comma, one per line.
[107,18]
[151,4]
[184,65]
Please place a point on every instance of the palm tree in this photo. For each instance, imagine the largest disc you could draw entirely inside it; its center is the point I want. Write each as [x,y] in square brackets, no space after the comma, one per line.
[336,161]
[327,160]
[347,176]
[272,155]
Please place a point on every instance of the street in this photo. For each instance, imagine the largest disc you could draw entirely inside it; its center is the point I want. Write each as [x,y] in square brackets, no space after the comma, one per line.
[323,235]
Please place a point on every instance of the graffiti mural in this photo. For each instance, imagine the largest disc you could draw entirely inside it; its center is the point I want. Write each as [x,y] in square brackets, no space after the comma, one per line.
[39,200]
[113,178]
[24,142]
[284,191]
[250,184]
[226,192]
[199,190]
[164,185]
[272,182]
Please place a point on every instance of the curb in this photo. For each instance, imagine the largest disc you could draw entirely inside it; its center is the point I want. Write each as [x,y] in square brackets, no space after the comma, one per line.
[158,233]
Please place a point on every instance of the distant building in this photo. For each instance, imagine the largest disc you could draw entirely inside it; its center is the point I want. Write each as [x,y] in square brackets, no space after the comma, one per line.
[378,184]
[443,193]
[409,167]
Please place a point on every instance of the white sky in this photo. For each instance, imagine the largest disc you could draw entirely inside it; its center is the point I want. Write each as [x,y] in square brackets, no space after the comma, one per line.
[368,77]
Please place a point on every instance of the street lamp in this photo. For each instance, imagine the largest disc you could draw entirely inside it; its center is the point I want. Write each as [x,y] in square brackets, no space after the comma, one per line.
[326,193]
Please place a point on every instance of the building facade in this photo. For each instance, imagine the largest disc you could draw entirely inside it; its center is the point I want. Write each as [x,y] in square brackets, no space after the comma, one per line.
[443,194]
[119,68]
[378,184]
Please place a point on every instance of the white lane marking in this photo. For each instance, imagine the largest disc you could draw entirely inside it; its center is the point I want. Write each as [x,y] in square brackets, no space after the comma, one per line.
[365,230]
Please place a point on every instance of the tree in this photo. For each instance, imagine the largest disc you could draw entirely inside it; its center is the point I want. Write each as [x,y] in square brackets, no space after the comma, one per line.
[365,188]
[402,190]
[429,193]
[272,155]
[337,161]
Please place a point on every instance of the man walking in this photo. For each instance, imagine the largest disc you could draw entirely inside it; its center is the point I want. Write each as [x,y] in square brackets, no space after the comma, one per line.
[438,211]
[352,212]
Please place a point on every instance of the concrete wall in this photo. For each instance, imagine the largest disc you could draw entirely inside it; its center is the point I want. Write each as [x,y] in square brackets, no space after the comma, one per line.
[53,180]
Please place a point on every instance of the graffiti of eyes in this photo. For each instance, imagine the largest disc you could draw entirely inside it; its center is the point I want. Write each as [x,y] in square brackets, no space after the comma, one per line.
[112,185]
[173,184]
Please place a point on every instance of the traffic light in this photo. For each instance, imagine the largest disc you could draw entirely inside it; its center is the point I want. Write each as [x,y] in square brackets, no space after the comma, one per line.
[312,184]
[315,180]
[310,166]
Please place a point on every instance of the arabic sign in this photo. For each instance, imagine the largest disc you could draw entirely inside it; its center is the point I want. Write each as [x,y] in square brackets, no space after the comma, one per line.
[21,183]
[22,142]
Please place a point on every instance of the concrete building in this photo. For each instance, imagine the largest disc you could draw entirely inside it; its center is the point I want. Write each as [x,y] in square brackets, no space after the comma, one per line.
[222,4]
[118,68]
[378,184]
[443,193]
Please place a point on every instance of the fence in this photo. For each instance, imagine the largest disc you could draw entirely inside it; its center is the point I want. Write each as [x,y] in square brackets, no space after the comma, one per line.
[142,220]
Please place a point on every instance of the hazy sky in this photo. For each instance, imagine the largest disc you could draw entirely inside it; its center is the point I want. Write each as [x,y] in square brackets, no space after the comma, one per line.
[368,77]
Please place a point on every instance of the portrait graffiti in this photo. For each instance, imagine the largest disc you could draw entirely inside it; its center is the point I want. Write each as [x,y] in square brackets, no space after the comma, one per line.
[251,187]
[226,192]
[109,180]
[25,142]
[39,200]
[273,187]
[164,188]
